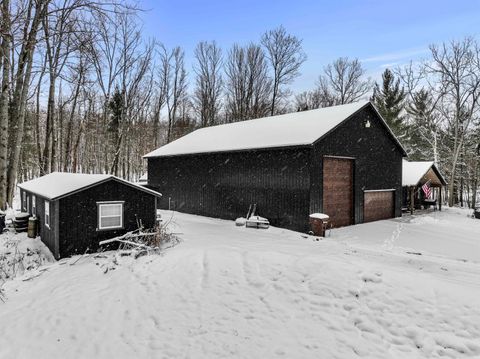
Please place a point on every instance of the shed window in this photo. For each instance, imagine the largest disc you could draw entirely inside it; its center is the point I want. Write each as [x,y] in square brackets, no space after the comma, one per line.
[34,205]
[24,201]
[47,214]
[110,215]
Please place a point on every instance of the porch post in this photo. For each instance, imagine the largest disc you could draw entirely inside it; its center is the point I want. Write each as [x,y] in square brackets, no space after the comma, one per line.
[440,198]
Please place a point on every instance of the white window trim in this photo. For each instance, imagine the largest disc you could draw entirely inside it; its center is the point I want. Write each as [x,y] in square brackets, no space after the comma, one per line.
[99,217]
[47,214]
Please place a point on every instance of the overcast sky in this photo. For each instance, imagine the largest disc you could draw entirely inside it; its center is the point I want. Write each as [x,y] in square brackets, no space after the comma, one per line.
[380,33]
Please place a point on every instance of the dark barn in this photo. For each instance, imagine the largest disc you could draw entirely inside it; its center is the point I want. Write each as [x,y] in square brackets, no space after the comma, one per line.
[76,211]
[343,161]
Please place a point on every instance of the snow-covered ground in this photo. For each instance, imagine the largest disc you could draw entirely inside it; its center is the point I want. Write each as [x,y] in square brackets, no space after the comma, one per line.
[235,292]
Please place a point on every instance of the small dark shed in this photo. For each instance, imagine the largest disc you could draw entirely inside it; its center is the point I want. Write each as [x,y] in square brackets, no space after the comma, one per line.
[343,161]
[76,211]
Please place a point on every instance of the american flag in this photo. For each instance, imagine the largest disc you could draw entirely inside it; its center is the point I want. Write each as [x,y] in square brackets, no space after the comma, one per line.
[427,189]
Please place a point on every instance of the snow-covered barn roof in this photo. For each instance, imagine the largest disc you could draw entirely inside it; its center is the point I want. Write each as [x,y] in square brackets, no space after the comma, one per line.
[413,172]
[292,129]
[60,184]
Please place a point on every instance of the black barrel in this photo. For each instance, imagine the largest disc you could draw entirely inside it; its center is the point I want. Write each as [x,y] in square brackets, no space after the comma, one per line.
[2,221]
[21,222]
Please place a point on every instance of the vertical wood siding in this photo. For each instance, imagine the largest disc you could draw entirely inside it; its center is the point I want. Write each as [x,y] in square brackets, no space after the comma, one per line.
[78,217]
[48,235]
[223,185]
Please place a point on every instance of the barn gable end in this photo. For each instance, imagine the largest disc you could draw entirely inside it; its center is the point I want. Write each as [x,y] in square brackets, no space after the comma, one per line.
[377,159]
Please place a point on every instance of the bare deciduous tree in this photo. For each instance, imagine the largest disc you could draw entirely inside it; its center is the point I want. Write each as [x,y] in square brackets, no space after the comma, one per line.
[343,82]
[28,31]
[173,63]
[4,96]
[208,82]
[248,85]
[455,68]
[285,55]
[57,28]
[307,100]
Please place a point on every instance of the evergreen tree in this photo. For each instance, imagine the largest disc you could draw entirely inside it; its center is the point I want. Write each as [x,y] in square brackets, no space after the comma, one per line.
[423,133]
[389,99]
[116,106]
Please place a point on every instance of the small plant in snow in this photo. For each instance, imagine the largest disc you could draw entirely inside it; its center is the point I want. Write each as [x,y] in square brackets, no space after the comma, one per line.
[140,243]
[3,298]
[162,238]
[14,262]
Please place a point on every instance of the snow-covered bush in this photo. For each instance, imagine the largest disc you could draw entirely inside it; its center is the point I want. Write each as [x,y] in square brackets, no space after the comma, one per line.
[16,258]
[19,255]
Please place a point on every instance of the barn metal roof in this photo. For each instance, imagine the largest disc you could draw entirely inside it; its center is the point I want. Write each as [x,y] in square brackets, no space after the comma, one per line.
[60,184]
[292,129]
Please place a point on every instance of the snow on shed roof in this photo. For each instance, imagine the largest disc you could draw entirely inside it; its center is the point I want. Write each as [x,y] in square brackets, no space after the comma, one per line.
[292,129]
[59,184]
[412,172]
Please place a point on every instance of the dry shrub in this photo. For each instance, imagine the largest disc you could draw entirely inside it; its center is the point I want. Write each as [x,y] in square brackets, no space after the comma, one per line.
[162,238]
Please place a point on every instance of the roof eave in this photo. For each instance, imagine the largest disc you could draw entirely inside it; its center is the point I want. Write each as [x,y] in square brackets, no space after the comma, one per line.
[437,172]
[275,148]
[439,175]
[140,188]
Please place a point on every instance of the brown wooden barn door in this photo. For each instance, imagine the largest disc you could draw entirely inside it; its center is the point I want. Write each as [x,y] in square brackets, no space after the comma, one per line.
[378,205]
[338,190]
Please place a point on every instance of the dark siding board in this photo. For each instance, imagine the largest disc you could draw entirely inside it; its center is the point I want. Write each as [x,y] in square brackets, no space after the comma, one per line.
[48,235]
[78,215]
[378,159]
[223,185]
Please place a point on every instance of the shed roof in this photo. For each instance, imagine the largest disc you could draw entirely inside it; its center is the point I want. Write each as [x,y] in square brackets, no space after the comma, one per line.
[60,184]
[292,129]
[414,171]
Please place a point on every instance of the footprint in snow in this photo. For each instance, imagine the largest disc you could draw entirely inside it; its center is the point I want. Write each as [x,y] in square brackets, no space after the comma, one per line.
[369,277]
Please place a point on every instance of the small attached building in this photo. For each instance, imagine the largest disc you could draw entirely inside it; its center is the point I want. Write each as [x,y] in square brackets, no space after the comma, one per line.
[414,175]
[343,161]
[76,211]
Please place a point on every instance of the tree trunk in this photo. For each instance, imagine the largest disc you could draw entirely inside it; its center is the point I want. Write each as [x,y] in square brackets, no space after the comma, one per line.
[16,127]
[5,86]
[68,139]
[45,164]
[23,74]
[114,168]
[75,149]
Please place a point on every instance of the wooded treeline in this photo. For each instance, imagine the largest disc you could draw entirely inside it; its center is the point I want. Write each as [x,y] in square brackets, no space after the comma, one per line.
[83,91]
